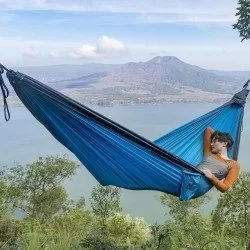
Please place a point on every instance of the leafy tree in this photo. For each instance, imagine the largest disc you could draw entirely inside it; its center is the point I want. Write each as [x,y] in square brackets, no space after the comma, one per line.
[188,227]
[105,202]
[76,220]
[75,223]
[10,227]
[179,210]
[127,232]
[197,231]
[170,236]
[243,22]
[10,230]
[153,241]
[120,232]
[2,192]
[37,188]
[232,213]
[66,230]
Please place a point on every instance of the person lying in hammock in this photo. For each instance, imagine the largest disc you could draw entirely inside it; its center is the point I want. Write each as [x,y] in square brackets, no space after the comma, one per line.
[216,165]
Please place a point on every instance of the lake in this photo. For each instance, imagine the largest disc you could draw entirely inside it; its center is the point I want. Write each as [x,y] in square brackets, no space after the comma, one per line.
[24,139]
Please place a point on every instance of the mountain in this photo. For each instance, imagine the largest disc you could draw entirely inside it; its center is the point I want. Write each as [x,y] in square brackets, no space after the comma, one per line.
[161,79]
[239,76]
[167,74]
[55,75]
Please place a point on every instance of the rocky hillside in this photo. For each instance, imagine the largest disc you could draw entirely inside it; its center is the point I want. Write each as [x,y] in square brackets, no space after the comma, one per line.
[161,79]
[166,74]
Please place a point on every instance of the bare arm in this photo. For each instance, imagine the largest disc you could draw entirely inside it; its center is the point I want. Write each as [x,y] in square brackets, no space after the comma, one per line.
[231,177]
[207,141]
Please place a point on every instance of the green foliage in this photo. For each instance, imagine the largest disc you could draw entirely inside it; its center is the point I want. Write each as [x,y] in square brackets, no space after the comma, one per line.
[64,231]
[105,202]
[38,237]
[170,236]
[2,192]
[8,194]
[120,232]
[10,230]
[126,231]
[52,221]
[37,188]
[243,22]
[179,210]
[197,230]
[189,229]
[76,222]
[10,227]
[97,238]
[111,229]
[196,233]
[232,213]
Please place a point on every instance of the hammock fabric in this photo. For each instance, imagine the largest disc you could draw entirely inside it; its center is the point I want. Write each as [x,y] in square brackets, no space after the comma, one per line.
[117,156]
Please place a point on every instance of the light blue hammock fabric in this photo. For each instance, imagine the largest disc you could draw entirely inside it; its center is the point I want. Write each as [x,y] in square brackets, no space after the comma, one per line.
[116,156]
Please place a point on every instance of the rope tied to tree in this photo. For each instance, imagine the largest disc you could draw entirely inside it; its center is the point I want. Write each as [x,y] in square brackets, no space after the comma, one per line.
[5,93]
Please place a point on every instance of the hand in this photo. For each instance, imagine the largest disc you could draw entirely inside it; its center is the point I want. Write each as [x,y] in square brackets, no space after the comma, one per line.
[207,173]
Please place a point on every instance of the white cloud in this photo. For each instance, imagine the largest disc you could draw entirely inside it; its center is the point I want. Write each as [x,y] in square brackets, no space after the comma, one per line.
[85,51]
[36,53]
[19,51]
[105,47]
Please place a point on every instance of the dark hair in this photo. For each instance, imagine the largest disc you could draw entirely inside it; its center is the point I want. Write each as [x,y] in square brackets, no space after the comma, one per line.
[223,137]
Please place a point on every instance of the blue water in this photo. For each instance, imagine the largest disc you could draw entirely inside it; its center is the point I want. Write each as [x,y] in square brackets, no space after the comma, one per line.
[24,139]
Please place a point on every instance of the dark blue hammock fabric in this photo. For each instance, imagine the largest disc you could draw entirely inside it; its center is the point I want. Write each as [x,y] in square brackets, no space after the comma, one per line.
[116,156]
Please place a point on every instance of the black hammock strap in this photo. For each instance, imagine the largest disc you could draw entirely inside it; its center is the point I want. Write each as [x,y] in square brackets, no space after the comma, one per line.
[246,85]
[5,93]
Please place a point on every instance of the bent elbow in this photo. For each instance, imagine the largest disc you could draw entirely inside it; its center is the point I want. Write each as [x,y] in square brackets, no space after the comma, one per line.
[224,189]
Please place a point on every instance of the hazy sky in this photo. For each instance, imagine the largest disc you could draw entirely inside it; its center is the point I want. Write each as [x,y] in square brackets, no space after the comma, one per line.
[41,32]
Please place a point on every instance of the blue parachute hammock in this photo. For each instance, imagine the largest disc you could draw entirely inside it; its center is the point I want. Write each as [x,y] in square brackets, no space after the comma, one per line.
[117,156]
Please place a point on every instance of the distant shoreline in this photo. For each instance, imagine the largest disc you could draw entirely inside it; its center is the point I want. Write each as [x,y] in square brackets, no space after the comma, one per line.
[104,98]
[13,101]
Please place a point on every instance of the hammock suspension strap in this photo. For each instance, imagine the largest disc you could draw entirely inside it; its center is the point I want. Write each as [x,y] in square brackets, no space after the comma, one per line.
[5,93]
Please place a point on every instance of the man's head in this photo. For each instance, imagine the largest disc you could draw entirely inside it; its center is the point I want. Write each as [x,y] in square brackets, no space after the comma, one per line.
[220,142]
